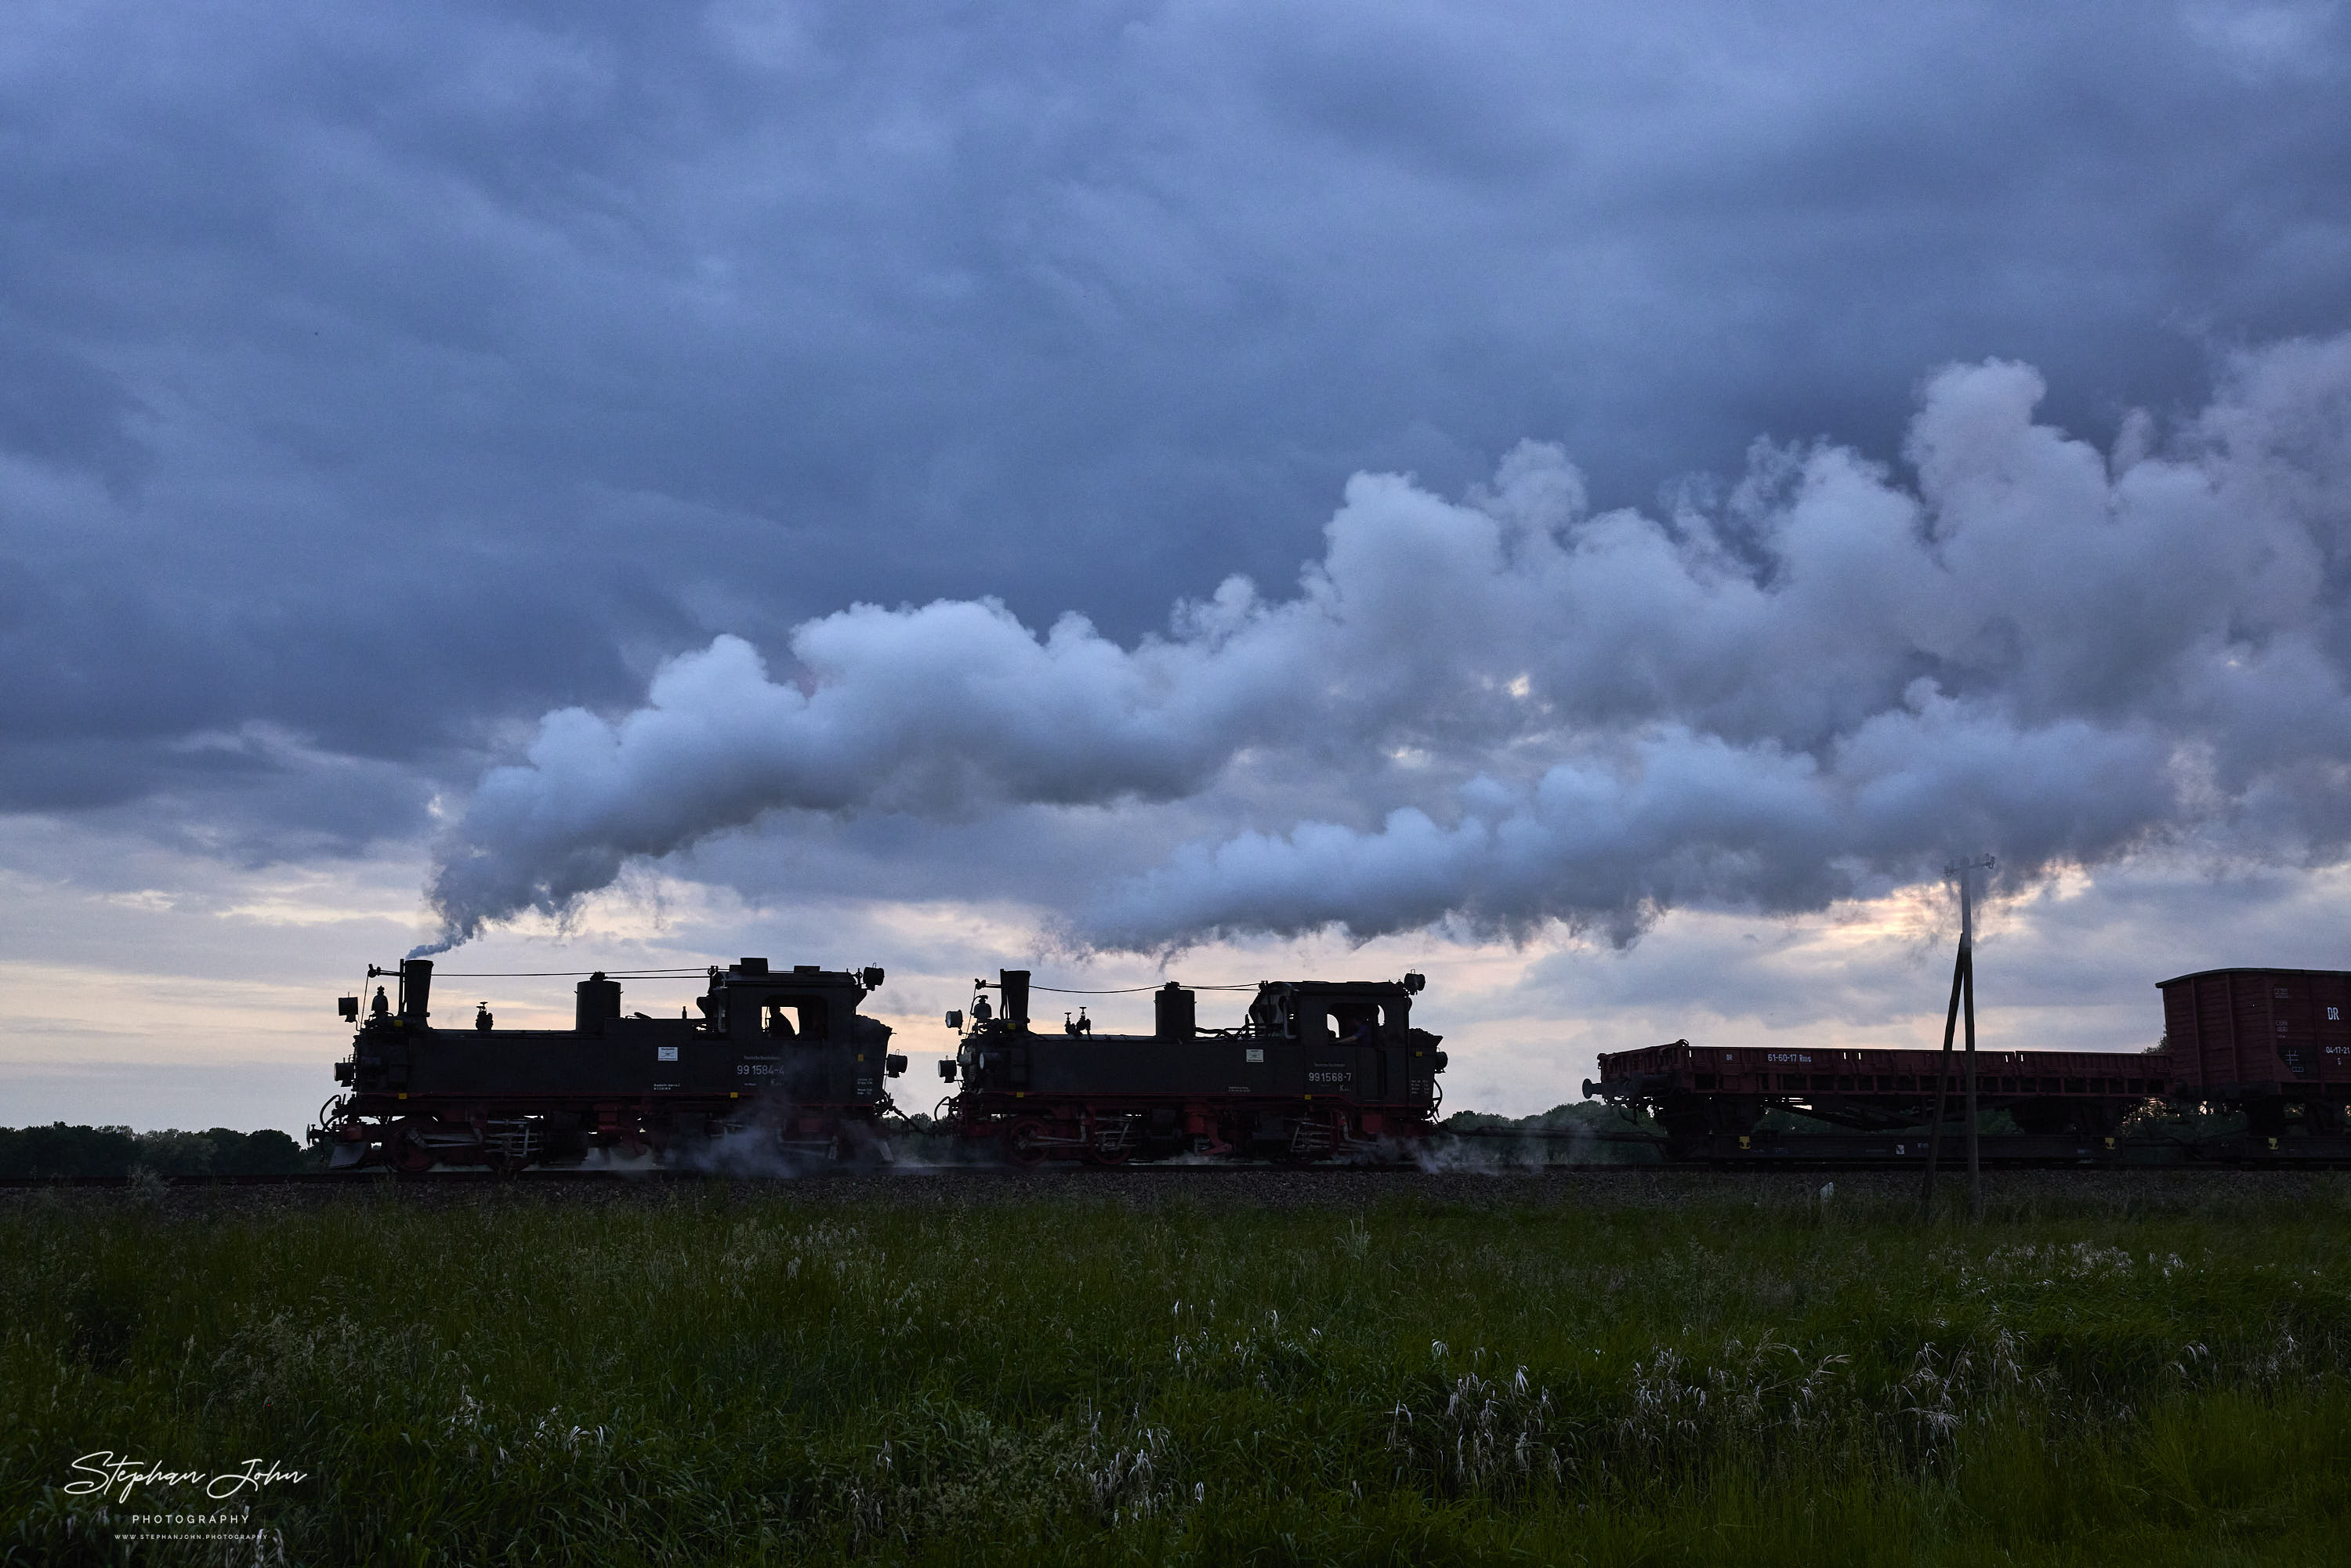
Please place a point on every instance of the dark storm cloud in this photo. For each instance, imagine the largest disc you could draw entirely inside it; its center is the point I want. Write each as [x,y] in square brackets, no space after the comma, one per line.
[2054,652]
[58,408]
[385,376]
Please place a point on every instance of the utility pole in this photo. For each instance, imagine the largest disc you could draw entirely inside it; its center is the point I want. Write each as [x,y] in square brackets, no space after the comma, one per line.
[1963,1003]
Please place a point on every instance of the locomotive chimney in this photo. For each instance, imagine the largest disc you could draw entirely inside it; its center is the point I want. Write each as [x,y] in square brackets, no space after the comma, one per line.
[1173,1005]
[598,1000]
[1014,986]
[415,989]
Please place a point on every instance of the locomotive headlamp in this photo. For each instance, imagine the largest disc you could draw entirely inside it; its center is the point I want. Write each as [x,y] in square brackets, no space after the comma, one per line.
[349,1007]
[870,976]
[955,1018]
[1416,982]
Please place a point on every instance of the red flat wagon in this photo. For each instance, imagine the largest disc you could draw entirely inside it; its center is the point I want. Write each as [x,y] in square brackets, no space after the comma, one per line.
[1701,1095]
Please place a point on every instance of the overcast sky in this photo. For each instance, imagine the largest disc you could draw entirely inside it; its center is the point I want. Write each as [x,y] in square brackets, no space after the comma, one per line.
[1691,471]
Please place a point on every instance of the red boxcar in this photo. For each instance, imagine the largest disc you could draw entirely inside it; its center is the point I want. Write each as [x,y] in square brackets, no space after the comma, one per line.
[2273,1042]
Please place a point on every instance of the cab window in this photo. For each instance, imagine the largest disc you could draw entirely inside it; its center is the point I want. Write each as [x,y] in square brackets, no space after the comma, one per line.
[1345,1021]
[794,1019]
[1271,1013]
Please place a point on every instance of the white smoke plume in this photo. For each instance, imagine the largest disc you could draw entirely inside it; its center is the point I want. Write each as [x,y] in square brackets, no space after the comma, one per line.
[1829,680]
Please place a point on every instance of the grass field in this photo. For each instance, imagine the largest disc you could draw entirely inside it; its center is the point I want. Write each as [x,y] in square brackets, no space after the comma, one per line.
[1635,1369]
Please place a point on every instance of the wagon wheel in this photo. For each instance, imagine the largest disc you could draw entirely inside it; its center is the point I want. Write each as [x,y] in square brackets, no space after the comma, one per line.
[1024,1141]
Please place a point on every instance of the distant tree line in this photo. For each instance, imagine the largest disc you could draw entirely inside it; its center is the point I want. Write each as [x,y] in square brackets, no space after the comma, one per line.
[58,1150]
[1588,1113]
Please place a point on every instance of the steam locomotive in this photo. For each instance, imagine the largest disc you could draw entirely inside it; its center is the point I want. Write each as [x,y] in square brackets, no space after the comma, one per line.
[782,1055]
[1315,1069]
[781,1062]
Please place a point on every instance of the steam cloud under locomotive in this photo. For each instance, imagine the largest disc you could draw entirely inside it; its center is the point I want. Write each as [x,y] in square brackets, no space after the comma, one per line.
[1508,710]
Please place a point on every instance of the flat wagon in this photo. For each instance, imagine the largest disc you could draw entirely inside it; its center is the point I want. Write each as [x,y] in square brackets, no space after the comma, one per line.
[1710,1100]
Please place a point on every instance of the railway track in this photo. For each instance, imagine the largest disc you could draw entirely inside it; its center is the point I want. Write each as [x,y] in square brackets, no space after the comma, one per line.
[1790,1154]
[558,1177]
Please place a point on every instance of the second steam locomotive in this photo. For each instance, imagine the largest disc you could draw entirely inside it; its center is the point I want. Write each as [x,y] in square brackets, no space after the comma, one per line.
[1316,1068]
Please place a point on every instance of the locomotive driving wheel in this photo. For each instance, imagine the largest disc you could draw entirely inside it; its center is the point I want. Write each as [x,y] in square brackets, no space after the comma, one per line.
[408,1152]
[1024,1141]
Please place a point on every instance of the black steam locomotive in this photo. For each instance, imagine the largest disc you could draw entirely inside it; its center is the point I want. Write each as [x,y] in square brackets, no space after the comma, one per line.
[781,1062]
[783,1056]
[1315,1069]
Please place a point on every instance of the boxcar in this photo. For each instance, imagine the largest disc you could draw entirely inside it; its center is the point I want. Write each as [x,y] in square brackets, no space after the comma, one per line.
[2275,1043]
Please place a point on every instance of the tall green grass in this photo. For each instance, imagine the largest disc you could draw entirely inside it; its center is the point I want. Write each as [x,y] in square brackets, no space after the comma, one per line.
[704,1375]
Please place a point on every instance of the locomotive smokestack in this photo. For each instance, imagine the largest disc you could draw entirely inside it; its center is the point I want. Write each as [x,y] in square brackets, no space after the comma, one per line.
[1014,984]
[599,999]
[1173,1007]
[415,989]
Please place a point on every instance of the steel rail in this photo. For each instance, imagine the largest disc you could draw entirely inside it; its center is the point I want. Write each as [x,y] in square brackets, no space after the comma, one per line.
[2228,1162]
